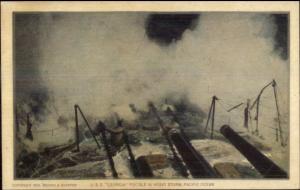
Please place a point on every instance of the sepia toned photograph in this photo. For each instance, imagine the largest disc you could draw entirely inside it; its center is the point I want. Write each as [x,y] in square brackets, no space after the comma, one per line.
[151,95]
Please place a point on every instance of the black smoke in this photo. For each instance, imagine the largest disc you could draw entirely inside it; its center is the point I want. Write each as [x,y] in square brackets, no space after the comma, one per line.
[167,28]
[28,88]
[282,34]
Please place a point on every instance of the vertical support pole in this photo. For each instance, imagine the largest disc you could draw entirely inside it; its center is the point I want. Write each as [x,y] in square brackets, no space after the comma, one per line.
[250,121]
[209,114]
[246,115]
[257,114]
[213,117]
[76,128]
[278,113]
[208,118]
[257,104]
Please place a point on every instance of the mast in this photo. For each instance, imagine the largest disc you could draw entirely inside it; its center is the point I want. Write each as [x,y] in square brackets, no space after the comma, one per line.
[257,101]
[211,114]
[246,115]
[77,108]
[76,129]
[278,113]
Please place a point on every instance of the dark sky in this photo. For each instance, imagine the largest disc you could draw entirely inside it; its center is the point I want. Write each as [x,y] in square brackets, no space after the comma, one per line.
[27,80]
[282,34]
[26,50]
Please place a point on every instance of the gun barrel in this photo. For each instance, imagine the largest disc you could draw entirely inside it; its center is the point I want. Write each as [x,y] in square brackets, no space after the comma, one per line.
[263,165]
[197,165]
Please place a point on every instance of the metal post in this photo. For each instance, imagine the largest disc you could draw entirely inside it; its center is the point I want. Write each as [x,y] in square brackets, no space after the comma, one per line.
[76,128]
[246,115]
[256,102]
[278,113]
[257,114]
[209,114]
[213,116]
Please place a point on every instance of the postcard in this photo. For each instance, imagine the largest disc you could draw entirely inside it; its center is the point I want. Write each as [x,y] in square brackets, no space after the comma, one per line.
[150,95]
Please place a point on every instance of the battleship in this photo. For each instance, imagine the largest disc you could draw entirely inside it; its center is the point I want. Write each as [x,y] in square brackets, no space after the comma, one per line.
[162,142]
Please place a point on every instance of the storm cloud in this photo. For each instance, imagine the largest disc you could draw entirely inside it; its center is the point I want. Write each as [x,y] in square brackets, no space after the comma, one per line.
[167,28]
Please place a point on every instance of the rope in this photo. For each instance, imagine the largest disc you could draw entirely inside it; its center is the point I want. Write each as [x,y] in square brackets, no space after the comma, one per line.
[235,123]
[47,130]
[222,105]
[235,107]
[228,105]
[274,129]
[267,107]
[227,111]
